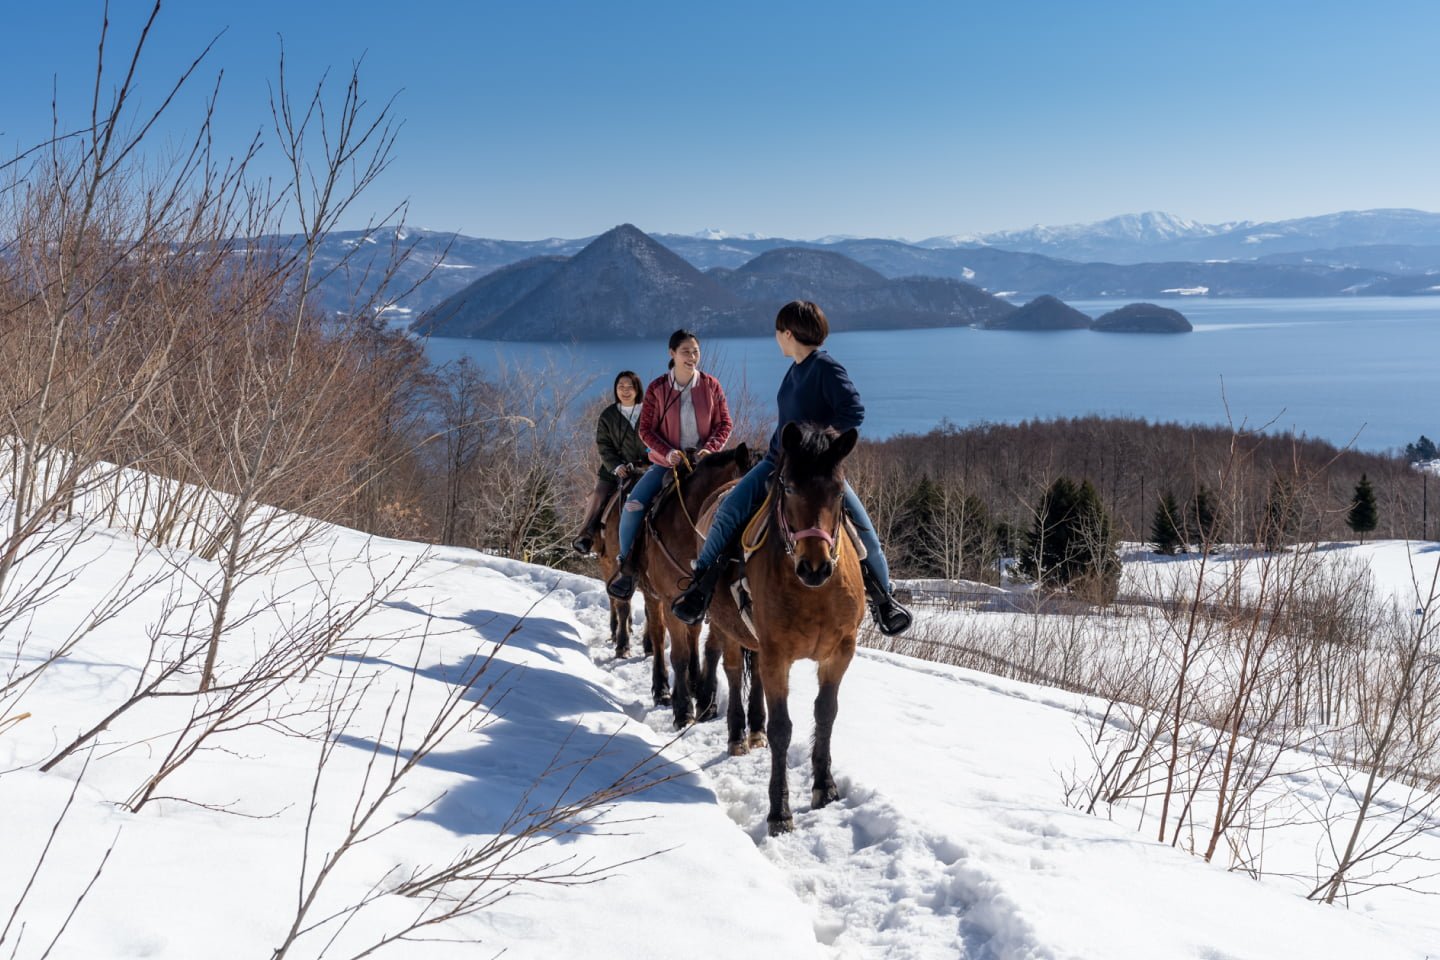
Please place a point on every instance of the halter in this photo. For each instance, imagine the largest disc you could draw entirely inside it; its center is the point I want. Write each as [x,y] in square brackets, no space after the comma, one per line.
[789,538]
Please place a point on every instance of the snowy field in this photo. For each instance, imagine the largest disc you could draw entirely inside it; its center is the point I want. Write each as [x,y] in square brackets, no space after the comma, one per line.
[952,838]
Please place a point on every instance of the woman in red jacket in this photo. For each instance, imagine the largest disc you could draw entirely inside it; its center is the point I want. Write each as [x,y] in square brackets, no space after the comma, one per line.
[683,410]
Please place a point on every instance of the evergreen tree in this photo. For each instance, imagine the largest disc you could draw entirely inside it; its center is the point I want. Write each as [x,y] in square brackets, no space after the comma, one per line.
[918,537]
[943,533]
[1364,515]
[1423,450]
[1072,542]
[1165,527]
[1281,521]
[1204,522]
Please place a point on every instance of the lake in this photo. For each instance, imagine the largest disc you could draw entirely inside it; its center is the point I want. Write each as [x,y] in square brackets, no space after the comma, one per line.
[1361,369]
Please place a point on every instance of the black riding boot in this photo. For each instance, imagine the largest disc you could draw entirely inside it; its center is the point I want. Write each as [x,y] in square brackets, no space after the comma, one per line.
[622,585]
[691,605]
[584,542]
[889,616]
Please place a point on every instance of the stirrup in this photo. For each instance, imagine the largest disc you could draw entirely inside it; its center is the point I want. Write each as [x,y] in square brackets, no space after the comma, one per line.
[890,617]
[622,585]
[691,605]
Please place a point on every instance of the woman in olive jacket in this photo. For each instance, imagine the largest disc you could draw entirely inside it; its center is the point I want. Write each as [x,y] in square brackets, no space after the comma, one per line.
[621,449]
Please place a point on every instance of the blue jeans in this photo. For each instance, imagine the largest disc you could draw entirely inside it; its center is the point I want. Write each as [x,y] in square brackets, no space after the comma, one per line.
[641,496]
[742,502]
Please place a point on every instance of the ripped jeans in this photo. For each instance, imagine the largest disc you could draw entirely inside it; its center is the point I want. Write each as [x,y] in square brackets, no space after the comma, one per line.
[636,504]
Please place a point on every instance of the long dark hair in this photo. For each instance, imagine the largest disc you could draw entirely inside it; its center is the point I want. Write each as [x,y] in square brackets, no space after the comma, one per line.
[634,379]
[677,338]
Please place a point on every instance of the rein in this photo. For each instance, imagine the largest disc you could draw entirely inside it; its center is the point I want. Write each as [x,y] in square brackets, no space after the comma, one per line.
[681,568]
[680,494]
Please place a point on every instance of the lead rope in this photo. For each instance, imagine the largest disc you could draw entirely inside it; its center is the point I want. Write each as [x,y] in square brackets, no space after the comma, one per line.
[680,493]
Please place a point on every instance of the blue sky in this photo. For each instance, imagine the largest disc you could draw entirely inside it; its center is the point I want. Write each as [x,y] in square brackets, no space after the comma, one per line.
[541,118]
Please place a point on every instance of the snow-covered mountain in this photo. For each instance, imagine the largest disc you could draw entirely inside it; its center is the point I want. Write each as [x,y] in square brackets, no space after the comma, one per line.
[1160,237]
[1119,239]
[1149,228]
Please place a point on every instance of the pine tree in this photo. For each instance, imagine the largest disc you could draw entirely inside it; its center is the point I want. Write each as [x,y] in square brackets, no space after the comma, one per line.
[1203,523]
[917,537]
[1282,514]
[1165,528]
[1423,450]
[1364,515]
[1072,542]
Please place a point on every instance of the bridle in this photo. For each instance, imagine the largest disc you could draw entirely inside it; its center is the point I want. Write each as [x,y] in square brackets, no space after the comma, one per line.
[789,537]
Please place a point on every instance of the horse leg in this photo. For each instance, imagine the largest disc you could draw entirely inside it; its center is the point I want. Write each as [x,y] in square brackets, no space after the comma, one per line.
[681,655]
[620,627]
[827,705]
[692,663]
[705,708]
[736,666]
[654,626]
[775,675]
[756,705]
[659,676]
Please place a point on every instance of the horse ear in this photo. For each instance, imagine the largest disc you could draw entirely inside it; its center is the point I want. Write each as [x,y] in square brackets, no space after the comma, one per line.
[742,456]
[790,436]
[841,446]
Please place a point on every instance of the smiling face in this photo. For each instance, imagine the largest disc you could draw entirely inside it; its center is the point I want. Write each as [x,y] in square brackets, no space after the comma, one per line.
[687,358]
[625,392]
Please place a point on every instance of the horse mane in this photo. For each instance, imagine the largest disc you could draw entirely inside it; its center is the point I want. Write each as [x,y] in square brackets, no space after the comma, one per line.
[807,458]
[740,456]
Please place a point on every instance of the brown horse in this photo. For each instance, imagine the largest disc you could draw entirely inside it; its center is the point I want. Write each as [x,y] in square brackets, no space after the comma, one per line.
[808,601]
[663,571]
[607,548]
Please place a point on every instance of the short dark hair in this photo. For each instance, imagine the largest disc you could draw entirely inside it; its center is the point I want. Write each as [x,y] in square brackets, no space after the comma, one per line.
[634,379]
[679,337]
[805,320]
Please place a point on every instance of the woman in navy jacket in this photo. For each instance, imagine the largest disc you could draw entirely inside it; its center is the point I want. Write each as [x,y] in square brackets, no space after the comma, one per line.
[816,389]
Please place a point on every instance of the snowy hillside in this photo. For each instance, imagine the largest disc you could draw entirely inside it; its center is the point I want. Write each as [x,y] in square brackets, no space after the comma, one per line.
[952,838]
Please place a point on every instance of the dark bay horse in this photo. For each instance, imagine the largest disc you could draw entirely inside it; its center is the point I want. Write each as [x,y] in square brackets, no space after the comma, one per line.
[663,571]
[808,601]
[607,548]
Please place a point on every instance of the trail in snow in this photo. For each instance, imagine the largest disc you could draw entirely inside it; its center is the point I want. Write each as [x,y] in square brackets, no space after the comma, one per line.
[951,838]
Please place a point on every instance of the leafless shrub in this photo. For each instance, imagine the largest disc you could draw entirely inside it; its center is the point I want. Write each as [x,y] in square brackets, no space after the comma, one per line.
[478,875]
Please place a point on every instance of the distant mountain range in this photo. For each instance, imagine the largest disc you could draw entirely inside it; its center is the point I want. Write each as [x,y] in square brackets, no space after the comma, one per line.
[1154,236]
[1150,256]
[626,284]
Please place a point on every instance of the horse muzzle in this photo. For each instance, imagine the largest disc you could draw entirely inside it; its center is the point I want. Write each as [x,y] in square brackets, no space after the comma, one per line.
[814,574]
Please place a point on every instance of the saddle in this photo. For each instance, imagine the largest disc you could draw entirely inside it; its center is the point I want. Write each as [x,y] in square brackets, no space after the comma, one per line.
[757,529]
[622,490]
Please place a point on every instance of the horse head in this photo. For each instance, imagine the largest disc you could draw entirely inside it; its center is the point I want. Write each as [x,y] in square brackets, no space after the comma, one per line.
[810,502]
[737,457]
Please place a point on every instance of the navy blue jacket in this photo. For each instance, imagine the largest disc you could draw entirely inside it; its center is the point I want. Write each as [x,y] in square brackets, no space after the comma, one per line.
[816,390]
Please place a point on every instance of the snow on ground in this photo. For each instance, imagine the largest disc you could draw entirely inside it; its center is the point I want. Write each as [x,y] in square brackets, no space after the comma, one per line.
[1402,571]
[951,838]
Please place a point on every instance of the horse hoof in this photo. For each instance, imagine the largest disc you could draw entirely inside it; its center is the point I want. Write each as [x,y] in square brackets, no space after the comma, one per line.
[823,798]
[648,648]
[662,699]
[622,653]
[777,827]
[738,748]
[709,713]
[682,722]
[757,741]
